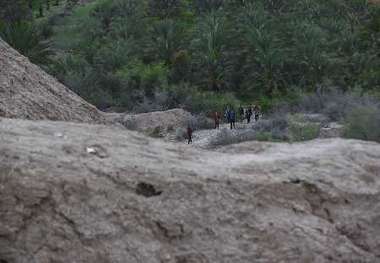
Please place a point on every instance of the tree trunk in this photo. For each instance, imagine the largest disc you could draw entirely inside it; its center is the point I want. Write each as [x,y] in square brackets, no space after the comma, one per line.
[41,11]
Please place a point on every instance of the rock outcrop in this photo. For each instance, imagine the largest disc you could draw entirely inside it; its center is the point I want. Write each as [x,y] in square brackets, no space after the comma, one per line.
[90,193]
[27,92]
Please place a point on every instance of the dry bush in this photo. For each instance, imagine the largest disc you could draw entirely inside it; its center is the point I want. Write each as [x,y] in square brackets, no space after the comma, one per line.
[334,104]
[363,123]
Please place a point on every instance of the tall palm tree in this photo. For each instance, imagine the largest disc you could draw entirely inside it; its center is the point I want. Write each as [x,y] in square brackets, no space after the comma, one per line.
[210,43]
[265,53]
[166,39]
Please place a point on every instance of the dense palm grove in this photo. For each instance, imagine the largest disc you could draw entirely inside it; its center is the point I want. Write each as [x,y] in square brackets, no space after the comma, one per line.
[200,54]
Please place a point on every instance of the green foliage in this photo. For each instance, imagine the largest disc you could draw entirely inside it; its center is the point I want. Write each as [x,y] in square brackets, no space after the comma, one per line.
[164,8]
[124,53]
[209,44]
[259,52]
[156,132]
[144,77]
[166,40]
[26,38]
[303,131]
[264,136]
[198,101]
[363,123]
[359,113]
[14,11]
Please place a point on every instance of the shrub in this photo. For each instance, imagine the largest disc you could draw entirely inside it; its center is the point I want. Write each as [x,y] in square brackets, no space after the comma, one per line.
[279,127]
[311,103]
[264,136]
[333,103]
[363,123]
[197,101]
[156,132]
[149,105]
[303,131]
[146,77]
[274,128]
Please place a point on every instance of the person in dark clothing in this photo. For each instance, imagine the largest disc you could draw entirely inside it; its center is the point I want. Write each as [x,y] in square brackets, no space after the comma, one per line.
[216,119]
[232,118]
[227,114]
[189,135]
[257,112]
[241,113]
[248,114]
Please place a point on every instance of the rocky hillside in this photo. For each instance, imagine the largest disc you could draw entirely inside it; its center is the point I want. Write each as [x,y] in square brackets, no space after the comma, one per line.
[27,92]
[91,193]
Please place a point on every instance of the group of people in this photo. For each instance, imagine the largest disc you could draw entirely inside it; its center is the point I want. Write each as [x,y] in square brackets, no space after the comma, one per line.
[244,113]
[248,112]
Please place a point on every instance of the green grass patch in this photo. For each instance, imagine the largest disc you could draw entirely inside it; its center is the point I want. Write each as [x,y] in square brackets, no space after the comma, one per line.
[303,131]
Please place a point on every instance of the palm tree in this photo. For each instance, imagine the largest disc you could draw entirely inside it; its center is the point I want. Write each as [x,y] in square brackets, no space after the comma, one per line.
[265,54]
[210,42]
[166,39]
[24,37]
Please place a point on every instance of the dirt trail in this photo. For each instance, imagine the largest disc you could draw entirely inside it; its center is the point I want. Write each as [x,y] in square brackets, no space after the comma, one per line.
[203,138]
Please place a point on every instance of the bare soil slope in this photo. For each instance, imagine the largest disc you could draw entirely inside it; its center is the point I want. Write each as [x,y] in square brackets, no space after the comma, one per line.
[91,193]
[166,121]
[27,92]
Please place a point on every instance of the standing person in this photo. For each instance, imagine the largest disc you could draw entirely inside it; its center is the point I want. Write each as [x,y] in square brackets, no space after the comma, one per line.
[241,113]
[257,112]
[216,119]
[226,115]
[248,113]
[189,134]
[232,118]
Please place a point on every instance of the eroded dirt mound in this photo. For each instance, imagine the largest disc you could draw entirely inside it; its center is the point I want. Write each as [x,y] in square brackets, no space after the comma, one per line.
[91,193]
[159,121]
[27,92]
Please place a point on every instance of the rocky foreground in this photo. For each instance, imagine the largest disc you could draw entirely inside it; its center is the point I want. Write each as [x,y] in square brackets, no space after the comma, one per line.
[91,193]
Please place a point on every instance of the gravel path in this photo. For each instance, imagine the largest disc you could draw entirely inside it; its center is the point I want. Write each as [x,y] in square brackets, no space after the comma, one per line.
[202,138]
